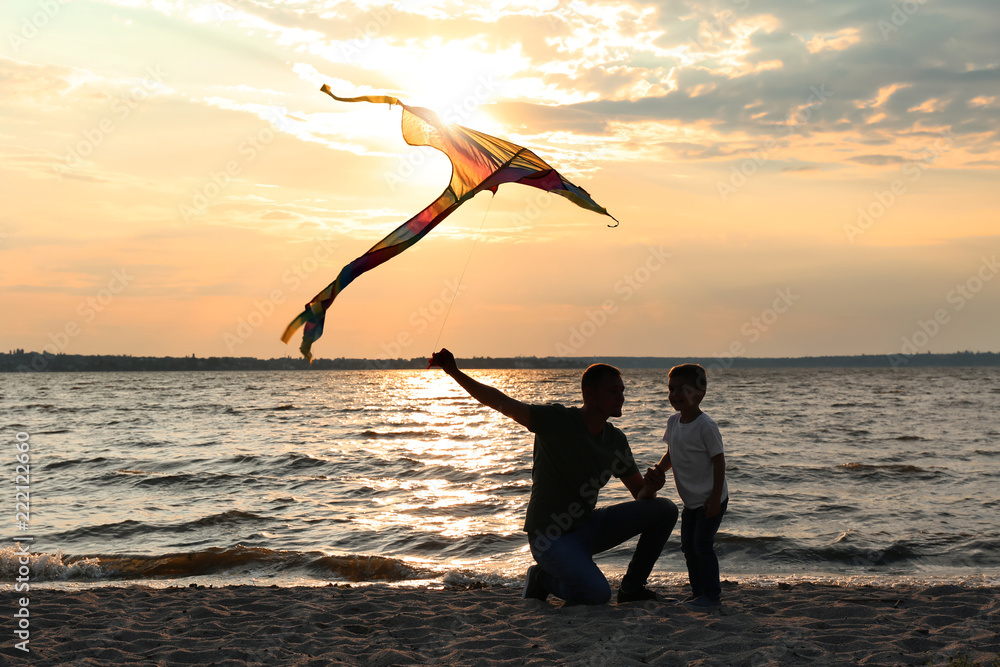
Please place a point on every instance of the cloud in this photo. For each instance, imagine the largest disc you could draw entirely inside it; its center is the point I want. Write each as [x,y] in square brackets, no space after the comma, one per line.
[838,41]
[23,82]
[877,160]
[800,168]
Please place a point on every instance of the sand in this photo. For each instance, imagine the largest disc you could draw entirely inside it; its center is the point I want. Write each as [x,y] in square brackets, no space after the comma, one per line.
[802,624]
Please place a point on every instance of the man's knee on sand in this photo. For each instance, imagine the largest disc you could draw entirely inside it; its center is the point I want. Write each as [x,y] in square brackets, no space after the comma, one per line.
[591,593]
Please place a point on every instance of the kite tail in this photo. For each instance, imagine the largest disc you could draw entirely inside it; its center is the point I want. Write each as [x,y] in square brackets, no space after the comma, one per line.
[404,236]
[312,318]
[374,99]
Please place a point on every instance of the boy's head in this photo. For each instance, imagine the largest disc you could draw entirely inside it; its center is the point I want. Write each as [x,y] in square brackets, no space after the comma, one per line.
[686,384]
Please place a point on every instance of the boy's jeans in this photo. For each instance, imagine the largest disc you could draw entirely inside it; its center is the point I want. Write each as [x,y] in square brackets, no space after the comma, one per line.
[567,561]
[698,545]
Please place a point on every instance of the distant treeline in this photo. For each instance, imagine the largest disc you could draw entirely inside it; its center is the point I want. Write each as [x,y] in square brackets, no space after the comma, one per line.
[21,361]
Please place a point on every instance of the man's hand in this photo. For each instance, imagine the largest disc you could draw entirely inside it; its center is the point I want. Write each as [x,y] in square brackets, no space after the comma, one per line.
[485,394]
[646,492]
[654,478]
[445,360]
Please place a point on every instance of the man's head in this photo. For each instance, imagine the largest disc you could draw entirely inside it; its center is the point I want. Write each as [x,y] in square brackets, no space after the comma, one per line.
[603,389]
[686,385]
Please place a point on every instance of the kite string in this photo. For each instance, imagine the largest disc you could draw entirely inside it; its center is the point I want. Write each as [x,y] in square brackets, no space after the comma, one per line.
[458,288]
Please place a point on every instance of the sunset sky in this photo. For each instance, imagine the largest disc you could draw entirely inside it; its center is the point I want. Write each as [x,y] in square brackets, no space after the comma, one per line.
[792,178]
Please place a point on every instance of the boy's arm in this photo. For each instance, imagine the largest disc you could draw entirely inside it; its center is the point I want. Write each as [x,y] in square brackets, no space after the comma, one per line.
[714,502]
[489,396]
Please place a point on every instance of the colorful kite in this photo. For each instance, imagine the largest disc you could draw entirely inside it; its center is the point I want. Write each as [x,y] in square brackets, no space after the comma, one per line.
[479,162]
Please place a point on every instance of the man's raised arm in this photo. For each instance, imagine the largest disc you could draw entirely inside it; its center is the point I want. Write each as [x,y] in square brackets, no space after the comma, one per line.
[489,396]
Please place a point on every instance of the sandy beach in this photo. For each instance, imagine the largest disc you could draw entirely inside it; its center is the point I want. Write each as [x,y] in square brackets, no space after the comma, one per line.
[375,625]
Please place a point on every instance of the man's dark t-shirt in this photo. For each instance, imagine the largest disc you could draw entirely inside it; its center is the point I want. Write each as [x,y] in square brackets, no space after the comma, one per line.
[569,468]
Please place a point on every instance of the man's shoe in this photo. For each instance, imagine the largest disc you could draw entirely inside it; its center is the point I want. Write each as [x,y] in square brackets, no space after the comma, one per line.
[637,595]
[703,604]
[533,587]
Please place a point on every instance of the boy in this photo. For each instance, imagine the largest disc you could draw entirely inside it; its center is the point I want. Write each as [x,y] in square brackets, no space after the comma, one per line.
[695,453]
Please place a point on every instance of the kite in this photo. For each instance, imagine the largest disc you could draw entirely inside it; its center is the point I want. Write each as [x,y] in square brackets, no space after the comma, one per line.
[478,162]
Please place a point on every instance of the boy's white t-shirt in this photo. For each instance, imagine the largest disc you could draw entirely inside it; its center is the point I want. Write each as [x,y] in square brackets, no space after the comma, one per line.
[692,447]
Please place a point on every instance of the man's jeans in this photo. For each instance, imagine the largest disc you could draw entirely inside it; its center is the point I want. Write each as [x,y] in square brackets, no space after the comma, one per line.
[698,545]
[567,561]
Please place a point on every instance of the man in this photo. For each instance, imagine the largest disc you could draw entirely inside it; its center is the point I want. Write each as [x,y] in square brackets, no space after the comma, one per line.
[576,452]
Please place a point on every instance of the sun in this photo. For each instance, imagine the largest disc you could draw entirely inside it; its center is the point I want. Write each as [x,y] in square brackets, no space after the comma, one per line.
[451,77]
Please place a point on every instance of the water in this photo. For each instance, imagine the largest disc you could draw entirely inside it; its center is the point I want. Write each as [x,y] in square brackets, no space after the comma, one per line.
[399,476]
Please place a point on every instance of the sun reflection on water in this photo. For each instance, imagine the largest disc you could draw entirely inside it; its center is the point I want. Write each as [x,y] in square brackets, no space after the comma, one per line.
[449,467]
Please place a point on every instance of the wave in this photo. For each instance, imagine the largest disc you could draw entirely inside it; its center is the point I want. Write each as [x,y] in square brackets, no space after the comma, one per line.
[851,551]
[841,553]
[131,528]
[835,508]
[55,465]
[447,472]
[391,435]
[138,478]
[293,461]
[437,546]
[196,472]
[272,408]
[869,470]
[238,560]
